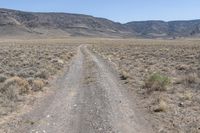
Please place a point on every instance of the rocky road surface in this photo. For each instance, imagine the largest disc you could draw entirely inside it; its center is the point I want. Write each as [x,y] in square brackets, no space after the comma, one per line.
[89,99]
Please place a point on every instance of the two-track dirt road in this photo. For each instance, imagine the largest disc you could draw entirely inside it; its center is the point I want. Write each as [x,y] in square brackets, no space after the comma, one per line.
[89,99]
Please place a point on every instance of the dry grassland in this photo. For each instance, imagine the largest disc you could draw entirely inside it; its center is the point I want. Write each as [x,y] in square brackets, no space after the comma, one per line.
[27,66]
[165,76]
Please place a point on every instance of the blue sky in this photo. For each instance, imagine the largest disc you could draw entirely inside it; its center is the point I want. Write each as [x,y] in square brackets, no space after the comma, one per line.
[117,10]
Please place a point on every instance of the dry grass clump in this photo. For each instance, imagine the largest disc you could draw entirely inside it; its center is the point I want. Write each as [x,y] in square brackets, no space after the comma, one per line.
[188,95]
[38,84]
[188,79]
[12,91]
[161,107]
[157,82]
[43,74]
[124,75]
[191,78]
[23,85]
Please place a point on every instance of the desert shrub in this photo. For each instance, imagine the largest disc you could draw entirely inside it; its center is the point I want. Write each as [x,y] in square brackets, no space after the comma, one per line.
[162,106]
[70,55]
[2,78]
[11,92]
[43,74]
[188,95]
[124,75]
[182,67]
[38,85]
[30,80]
[21,85]
[157,82]
[191,78]
[26,73]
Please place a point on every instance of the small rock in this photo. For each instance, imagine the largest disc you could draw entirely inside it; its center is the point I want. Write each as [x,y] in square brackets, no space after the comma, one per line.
[60,61]
[181,104]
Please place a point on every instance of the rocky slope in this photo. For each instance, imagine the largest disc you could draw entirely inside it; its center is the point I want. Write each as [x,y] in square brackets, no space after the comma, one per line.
[19,23]
[166,29]
[14,22]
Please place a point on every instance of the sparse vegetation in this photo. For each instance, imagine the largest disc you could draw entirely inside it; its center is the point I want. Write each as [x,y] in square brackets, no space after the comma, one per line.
[191,78]
[176,61]
[157,82]
[17,81]
[38,85]
[26,67]
[162,106]
[124,75]
[188,95]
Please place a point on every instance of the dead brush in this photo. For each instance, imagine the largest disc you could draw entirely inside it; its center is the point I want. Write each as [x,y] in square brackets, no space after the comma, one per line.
[162,106]
[124,75]
[188,95]
[11,93]
[191,78]
[23,85]
[42,74]
[38,84]
[157,82]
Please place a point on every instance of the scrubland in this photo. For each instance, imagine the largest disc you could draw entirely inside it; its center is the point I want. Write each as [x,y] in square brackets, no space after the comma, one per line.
[164,76]
[27,67]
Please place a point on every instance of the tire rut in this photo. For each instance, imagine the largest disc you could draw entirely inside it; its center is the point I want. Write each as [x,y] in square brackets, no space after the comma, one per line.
[123,117]
[93,105]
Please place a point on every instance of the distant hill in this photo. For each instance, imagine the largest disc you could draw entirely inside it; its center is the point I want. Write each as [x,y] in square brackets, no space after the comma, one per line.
[14,22]
[19,23]
[165,29]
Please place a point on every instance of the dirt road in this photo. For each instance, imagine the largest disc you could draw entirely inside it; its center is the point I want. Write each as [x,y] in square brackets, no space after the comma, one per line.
[88,99]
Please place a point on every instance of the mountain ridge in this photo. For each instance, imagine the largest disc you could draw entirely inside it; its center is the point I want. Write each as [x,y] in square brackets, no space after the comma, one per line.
[22,23]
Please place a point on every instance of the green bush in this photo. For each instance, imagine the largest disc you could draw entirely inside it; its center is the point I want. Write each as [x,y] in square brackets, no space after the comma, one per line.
[157,82]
